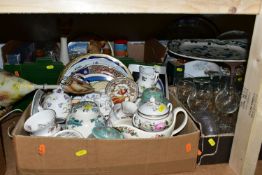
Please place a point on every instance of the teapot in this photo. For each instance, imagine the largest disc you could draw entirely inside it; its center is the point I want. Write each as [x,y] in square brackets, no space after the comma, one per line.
[153,116]
[58,101]
[130,131]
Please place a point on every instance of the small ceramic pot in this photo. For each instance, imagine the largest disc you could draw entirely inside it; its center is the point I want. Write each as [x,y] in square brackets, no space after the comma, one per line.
[153,116]
[84,117]
[42,124]
[59,102]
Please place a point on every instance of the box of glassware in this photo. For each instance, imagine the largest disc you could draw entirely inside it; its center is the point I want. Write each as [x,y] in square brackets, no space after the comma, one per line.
[73,156]
[216,127]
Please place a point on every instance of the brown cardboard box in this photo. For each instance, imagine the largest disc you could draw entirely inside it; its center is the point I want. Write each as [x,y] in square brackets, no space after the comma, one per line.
[2,157]
[92,156]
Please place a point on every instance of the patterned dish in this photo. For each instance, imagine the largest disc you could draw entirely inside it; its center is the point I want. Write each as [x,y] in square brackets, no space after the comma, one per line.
[122,89]
[209,49]
[88,63]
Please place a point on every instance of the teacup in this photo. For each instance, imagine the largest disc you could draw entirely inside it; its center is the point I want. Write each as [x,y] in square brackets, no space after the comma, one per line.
[84,117]
[42,123]
[59,102]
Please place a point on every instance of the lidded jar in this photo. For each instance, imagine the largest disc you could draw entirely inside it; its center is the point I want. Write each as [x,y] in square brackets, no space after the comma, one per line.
[153,116]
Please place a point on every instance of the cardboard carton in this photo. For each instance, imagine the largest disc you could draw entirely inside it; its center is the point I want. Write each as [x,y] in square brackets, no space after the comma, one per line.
[71,156]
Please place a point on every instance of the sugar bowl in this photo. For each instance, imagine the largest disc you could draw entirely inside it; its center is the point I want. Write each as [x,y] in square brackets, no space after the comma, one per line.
[153,116]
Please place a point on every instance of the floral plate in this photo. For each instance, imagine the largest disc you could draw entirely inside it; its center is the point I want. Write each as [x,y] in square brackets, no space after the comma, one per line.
[122,89]
[209,49]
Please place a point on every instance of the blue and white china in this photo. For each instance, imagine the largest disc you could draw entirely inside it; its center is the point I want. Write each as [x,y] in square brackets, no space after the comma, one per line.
[106,133]
[130,131]
[210,49]
[199,68]
[60,102]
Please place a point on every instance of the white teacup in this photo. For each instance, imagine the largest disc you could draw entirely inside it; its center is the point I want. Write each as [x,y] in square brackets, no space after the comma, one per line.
[42,123]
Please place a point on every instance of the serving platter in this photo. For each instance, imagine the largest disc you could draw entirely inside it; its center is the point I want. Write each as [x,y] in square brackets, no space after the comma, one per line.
[214,50]
[96,69]
[84,64]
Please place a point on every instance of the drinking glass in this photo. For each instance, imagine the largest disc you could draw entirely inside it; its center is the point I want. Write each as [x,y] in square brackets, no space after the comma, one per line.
[184,88]
[200,98]
[227,100]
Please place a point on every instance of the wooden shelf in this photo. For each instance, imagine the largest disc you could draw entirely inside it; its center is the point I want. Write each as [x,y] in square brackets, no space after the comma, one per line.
[248,138]
[132,6]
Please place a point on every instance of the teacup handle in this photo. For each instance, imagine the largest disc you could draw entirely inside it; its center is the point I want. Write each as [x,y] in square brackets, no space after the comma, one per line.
[176,111]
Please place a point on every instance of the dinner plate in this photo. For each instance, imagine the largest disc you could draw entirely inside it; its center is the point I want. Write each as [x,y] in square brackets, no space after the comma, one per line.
[209,49]
[84,64]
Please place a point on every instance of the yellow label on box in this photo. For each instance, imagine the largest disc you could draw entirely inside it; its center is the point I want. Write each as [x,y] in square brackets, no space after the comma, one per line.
[179,69]
[50,67]
[81,153]
[211,142]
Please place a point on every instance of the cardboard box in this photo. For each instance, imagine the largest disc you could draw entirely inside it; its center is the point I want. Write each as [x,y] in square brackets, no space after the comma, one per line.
[2,157]
[47,155]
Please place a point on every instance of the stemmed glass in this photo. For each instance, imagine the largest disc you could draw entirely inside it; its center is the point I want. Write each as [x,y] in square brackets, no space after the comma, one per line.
[200,99]
[227,100]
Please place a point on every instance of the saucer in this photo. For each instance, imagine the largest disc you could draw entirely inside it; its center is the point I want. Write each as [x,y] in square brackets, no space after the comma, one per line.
[69,133]
[51,132]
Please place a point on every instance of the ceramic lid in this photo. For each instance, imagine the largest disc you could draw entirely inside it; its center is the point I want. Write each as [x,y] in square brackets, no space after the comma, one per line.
[152,108]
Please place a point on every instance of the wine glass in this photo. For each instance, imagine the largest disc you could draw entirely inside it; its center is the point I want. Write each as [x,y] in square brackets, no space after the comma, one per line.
[184,88]
[227,100]
[200,98]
